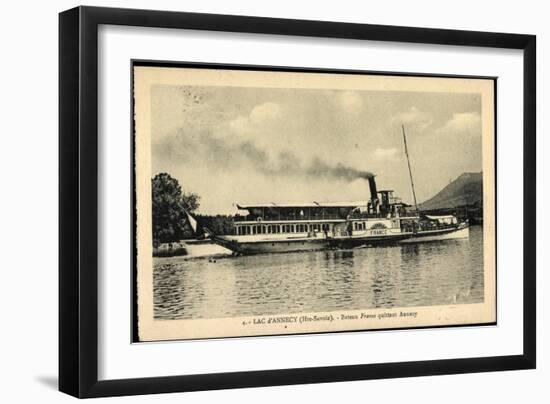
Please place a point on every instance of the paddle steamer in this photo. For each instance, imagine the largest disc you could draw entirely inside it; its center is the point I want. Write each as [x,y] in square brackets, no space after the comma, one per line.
[382,219]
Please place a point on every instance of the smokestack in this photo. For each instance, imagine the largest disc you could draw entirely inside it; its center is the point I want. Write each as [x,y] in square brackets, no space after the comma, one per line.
[373,191]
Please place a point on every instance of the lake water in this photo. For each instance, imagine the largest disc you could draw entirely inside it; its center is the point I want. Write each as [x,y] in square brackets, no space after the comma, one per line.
[433,273]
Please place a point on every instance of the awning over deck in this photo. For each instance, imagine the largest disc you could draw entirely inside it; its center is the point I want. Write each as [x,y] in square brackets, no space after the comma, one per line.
[305,205]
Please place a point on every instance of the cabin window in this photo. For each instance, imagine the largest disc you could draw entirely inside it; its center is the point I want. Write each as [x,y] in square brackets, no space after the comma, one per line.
[292,229]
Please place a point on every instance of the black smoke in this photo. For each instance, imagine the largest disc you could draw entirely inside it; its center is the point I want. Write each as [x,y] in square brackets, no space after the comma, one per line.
[222,154]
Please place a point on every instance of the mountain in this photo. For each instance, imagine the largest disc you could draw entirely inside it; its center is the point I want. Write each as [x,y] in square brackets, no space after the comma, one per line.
[466,190]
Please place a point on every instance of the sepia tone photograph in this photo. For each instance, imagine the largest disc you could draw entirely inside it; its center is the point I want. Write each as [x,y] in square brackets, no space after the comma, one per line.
[273,202]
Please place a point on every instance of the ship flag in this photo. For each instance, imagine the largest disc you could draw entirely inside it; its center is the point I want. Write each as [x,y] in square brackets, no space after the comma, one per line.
[191,220]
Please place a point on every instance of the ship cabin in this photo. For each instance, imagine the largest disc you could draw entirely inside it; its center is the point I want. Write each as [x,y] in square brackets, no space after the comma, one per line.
[328,219]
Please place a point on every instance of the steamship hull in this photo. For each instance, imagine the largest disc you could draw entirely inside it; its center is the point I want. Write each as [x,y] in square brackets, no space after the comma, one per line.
[262,246]
[459,232]
[462,231]
[271,246]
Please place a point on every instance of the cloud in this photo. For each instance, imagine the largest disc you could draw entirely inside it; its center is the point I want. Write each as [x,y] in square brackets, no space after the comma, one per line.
[265,112]
[259,115]
[256,124]
[350,101]
[463,123]
[386,154]
[414,117]
[240,124]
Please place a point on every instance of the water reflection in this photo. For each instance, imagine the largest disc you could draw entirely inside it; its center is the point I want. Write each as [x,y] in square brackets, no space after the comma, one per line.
[383,277]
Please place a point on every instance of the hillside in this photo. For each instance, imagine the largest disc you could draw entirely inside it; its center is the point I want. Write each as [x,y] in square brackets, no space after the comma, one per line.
[466,190]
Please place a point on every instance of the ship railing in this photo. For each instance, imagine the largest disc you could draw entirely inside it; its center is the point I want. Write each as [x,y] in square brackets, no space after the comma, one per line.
[371,216]
[326,216]
[424,226]
[275,218]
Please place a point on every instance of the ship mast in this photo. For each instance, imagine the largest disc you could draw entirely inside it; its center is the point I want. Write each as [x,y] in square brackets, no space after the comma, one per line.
[409,164]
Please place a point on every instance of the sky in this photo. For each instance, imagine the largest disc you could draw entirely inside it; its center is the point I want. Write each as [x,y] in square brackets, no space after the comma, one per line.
[259,145]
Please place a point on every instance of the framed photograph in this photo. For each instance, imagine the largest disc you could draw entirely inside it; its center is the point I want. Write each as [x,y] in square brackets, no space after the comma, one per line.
[241,194]
[256,214]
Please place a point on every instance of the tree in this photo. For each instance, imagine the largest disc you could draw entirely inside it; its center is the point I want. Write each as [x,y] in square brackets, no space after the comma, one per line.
[170,222]
[219,224]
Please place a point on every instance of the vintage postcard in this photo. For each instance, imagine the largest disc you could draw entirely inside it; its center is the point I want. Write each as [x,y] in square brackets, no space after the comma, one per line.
[275,202]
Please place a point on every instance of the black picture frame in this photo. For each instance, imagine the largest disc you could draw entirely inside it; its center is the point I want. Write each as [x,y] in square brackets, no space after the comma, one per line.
[78,201]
